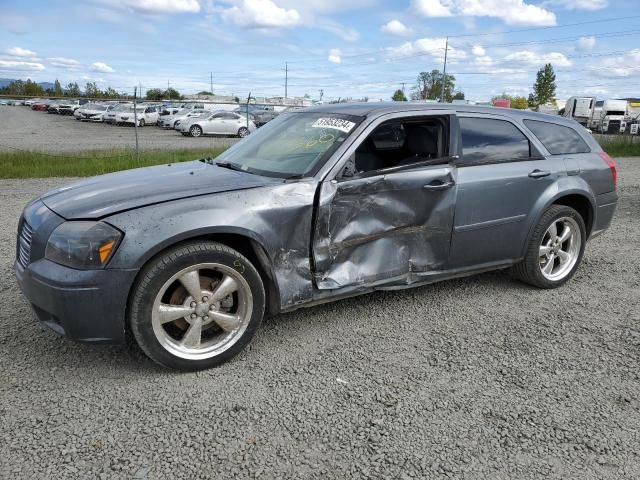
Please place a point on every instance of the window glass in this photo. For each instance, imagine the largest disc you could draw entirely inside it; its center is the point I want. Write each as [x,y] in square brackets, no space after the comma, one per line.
[558,139]
[490,140]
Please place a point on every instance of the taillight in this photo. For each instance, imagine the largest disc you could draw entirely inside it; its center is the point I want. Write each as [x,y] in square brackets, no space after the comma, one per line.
[612,166]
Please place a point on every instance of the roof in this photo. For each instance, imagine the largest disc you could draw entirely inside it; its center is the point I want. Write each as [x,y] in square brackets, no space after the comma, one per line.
[380,108]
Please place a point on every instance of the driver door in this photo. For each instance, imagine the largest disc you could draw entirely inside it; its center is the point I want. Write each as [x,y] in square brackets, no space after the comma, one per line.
[386,226]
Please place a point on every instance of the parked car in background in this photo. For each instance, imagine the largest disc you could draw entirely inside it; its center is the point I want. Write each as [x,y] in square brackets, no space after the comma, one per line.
[53,107]
[144,114]
[68,107]
[42,106]
[109,117]
[261,114]
[188,257]
[92,112]
[172,121]
[219,123]
[31,101]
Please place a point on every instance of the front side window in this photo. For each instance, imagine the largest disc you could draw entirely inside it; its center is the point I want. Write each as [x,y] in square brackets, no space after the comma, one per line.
[558,139]
[401,142]
[293,144]
[487,140]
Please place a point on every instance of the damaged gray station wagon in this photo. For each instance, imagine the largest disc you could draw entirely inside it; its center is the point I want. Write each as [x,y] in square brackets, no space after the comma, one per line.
[319,204]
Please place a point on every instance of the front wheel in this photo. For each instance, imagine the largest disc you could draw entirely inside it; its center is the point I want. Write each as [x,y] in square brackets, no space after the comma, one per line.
[141,122]
[196,306]
[555,249]
[243,132]
[195,131]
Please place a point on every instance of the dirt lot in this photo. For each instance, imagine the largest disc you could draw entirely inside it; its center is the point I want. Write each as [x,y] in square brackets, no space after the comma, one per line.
[24,129]
[478,378]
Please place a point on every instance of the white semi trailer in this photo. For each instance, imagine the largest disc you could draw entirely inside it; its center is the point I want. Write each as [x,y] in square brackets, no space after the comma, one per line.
[580,109]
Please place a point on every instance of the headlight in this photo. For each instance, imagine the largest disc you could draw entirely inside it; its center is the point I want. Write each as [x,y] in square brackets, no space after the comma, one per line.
[83,245]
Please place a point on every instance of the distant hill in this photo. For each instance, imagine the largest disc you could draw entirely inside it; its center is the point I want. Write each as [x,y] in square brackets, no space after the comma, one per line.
[6,81]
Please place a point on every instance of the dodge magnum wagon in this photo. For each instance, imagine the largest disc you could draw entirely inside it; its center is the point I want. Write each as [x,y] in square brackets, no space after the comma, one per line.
[318,205]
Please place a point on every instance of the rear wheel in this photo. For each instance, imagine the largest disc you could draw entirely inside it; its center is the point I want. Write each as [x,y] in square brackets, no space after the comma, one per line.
[555,249]
[196,306]
[141,122]
[243,132]
[195,131]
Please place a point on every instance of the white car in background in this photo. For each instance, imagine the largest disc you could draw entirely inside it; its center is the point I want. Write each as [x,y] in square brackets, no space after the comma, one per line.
[110,116]
[218,123]
[173,121]
[93,112]
[144,114]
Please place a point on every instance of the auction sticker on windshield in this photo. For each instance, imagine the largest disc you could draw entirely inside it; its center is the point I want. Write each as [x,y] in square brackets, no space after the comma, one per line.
[335,123]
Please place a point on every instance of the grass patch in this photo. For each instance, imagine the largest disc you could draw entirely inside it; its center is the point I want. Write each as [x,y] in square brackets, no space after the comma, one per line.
[621,146]
[32,164]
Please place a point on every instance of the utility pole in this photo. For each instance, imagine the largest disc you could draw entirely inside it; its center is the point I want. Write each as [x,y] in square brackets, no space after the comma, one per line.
[167,84]
[211,83]
[444,70]
[403,84]
[135,121]
[286,79]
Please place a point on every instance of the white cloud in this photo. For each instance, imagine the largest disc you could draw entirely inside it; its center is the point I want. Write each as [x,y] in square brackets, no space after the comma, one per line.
[626,65]
[512,12]
[433,47]
[101,67]
[586,43]
[395,27]
[478,50]
[64,62]
[14,65]
[335,55]
[163,6]
[527,57]
[20,52]
[579,4]
[261,14]
[432,8]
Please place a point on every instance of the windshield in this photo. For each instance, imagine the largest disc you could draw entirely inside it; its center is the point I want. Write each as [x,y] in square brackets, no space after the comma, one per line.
[292,144]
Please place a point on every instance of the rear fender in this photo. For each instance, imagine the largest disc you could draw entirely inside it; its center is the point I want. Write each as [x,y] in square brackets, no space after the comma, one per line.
[571,185]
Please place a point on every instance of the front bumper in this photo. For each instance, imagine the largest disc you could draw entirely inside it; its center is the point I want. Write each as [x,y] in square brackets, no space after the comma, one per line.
[84,305]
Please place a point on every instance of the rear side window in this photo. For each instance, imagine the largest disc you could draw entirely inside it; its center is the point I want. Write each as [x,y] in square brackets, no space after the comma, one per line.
[558,139]
[486,140]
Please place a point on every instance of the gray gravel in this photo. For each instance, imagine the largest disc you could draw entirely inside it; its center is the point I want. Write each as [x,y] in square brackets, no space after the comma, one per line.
[24,129]
[473,378]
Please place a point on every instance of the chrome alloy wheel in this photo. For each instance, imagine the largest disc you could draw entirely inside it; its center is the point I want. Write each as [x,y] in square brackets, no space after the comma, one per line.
[201,311]
[560,248]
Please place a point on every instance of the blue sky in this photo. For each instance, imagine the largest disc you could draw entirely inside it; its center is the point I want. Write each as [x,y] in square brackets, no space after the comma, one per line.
[347,48]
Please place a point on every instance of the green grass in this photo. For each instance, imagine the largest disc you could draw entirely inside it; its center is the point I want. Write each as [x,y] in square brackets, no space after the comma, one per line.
[32,164]
[621,146]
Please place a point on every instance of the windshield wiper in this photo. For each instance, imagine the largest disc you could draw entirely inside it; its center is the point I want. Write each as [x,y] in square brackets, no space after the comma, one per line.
[232,166]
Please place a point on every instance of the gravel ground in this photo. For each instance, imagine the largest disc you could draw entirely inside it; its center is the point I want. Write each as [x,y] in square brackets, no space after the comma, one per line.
[24,129]
[474,378]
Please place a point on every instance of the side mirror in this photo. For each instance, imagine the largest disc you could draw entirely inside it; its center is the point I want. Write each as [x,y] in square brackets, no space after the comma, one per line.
[349,169]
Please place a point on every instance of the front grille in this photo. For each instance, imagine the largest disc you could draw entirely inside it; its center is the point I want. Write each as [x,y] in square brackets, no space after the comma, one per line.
[24,244]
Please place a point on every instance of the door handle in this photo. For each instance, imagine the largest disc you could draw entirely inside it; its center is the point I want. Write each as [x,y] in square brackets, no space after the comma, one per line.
[539,173]
[438,186]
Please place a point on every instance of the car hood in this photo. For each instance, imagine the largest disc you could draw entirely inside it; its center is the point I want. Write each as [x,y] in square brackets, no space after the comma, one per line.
[105,195]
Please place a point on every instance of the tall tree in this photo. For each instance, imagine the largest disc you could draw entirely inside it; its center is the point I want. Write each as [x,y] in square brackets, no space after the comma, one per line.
[399,96]
[172,94]
[458,95]
[92,91]
[57,88]
[72,90]
[429,86]
[544,89]
[155,94]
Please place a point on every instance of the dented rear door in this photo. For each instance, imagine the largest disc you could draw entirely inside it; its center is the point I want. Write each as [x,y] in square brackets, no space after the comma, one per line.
[389,228]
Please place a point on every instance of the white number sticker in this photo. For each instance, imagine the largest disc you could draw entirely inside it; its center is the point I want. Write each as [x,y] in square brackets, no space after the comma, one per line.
[335,123]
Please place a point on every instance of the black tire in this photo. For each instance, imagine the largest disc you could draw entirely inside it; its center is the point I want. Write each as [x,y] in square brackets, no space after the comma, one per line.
[141,122]
[159,270]
[243,132]
[195,131]
[529,270]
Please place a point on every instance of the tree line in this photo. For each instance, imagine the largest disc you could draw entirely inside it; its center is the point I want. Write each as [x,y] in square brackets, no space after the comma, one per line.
[29,88]
[429,86]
